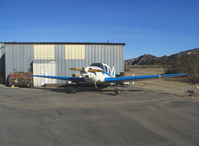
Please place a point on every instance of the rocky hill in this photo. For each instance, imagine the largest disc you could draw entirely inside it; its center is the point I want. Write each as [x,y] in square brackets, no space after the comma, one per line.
[145,59]
[148,59]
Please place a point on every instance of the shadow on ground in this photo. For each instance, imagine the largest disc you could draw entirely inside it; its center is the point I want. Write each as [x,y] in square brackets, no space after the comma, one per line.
[105,90]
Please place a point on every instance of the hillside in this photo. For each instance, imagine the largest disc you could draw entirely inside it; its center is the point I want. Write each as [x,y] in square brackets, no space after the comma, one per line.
[145,59]
[148,59]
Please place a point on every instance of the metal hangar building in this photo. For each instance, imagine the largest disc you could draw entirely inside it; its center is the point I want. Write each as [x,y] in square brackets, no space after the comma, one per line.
[55,58]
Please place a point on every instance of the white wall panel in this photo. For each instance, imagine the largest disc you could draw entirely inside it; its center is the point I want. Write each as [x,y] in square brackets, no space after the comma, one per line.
[44,69]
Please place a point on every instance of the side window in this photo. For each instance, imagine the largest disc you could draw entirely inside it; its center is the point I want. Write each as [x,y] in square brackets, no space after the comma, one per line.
[109,71]
[105,68]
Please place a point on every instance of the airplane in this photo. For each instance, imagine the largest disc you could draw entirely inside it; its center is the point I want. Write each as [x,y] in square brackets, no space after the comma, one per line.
[101,73]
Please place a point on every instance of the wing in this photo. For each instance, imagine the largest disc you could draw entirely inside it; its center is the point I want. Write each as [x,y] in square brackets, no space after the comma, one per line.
[74,79]
[141,77]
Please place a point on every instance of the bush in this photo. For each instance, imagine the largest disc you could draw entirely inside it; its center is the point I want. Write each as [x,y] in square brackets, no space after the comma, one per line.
[185,64]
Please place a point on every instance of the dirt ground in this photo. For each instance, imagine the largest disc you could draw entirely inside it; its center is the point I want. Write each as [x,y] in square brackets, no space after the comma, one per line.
[174,86]
[151,113]
[137,117]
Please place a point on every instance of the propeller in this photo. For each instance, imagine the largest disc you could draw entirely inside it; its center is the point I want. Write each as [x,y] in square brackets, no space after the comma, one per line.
[89,70]
[94,70]
[77,69]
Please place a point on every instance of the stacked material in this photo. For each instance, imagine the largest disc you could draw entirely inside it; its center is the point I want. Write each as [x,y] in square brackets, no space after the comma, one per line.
[20,79]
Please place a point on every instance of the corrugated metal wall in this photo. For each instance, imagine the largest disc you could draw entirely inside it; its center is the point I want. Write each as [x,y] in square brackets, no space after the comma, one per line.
[18,58]
[2,63]
[21,57]
[2,57]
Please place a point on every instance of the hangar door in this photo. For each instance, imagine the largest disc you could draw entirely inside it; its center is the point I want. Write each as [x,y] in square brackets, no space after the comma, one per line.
[44,64]
[48,69]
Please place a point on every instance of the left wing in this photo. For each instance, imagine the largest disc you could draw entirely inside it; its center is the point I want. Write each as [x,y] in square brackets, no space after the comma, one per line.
[115,79]
[74,79]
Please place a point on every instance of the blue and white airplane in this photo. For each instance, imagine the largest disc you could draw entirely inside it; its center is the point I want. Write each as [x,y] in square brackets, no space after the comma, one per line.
[100,73]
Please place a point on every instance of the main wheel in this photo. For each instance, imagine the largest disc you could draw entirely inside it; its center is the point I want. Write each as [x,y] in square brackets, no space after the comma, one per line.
[117,91]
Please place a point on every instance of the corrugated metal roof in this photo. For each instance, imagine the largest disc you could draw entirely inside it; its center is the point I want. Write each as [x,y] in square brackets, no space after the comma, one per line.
[85,43]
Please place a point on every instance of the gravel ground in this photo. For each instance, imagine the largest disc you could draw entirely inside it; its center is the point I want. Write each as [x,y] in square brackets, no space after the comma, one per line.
[175,86]
[140,117]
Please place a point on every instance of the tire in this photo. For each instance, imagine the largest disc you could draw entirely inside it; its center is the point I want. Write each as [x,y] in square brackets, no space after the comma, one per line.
[117,91]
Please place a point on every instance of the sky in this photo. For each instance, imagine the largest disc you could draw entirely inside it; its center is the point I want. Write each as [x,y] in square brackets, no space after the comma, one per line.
[157,27]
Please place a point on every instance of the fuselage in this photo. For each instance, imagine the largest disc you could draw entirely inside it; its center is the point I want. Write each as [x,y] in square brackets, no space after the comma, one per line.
[94,77]
[97,72]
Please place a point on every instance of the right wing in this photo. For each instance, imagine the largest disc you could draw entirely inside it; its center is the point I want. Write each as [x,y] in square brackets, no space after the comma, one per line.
[115,79]
[74,79]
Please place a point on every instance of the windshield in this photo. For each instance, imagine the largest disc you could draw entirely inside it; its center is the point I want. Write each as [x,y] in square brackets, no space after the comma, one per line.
[100,65]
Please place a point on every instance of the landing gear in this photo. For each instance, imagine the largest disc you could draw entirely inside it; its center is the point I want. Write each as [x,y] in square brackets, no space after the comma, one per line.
[117,91]
[95,85]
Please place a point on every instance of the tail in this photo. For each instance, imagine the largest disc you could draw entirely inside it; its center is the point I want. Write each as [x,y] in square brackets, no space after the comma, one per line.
[113,72]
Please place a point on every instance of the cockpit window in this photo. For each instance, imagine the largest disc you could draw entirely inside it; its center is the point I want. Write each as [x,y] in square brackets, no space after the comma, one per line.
[106,69]
[83,72]
[100,65]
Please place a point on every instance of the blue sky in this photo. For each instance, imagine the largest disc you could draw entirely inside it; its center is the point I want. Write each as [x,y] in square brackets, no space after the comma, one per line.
[158,27]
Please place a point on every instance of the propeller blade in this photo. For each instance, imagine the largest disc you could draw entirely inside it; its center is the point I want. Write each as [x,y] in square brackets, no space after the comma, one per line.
[77,69]
[89,70]
[94,70]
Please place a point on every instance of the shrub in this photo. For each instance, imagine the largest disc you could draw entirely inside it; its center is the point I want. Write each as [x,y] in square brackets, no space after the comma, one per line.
[185,64]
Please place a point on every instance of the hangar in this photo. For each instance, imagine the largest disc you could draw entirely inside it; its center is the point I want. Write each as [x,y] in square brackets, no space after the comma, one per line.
[55,58]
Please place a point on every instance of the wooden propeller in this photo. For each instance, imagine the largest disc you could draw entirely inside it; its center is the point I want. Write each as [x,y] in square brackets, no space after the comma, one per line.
[89,70]
[94,70]
[77,69]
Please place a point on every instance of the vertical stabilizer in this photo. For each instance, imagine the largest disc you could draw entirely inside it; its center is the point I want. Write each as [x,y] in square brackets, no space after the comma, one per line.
[113,72]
